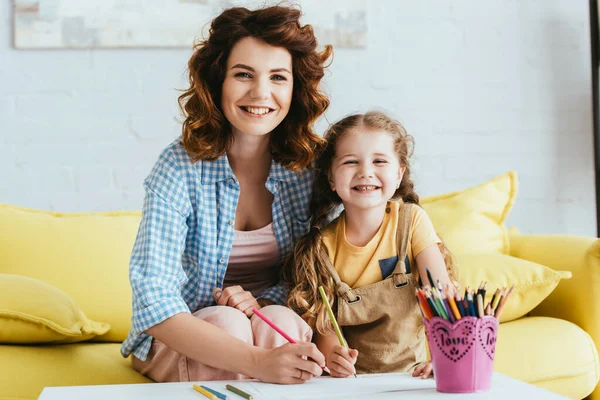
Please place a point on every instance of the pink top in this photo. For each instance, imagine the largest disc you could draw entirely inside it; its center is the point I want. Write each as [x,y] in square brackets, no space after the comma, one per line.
[253,260]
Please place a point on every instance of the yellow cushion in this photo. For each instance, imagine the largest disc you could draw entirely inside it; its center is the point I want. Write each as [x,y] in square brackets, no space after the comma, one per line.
[472,220]
[533,282]
[32,311]
[26,370]
[84,254]
[551,353]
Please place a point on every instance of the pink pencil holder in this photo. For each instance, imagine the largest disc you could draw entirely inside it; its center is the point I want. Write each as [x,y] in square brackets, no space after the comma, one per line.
[462,353]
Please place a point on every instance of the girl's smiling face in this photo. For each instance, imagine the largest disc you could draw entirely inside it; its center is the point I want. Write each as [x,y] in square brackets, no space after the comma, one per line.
[365,171]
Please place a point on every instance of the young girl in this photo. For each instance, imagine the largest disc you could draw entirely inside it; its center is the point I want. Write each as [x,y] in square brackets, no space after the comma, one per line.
[369,258]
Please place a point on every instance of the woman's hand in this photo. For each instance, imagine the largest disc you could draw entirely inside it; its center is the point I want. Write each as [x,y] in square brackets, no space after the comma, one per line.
[341,360]
[289,364]
[424,370]
[236,297]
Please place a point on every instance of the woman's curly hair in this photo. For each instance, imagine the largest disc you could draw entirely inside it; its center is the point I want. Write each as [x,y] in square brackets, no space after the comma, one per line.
[207,133]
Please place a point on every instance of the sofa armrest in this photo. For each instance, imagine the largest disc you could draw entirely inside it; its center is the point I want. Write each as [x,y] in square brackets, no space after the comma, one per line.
[576,299]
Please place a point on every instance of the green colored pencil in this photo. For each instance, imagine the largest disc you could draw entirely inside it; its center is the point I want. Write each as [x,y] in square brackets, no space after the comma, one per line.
[336,327]
[338,332]
[239,392]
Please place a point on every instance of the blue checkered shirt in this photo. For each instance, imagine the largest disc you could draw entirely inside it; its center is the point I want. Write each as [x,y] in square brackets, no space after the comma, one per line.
[184,239]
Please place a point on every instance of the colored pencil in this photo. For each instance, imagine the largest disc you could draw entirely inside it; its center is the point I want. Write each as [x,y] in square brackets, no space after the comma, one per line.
[429,278]
[440,304]
[432,305]
[336,327]
[427,313]
[213,391]
[498,298]
[205,392]
[272,325]
[498,312]
[471,305]
[459,304]
[494,297]
[451,316]
[453,307]
[480,306]
[483,291]
[279,330]
[239,392]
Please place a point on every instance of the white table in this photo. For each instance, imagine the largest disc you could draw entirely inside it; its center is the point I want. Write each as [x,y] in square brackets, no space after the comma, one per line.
[503,387]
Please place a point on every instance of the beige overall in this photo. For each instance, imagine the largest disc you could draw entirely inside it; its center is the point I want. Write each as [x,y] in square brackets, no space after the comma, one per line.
[382,320]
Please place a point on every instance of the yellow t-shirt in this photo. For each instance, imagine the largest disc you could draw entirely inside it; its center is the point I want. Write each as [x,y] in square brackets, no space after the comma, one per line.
[361,266]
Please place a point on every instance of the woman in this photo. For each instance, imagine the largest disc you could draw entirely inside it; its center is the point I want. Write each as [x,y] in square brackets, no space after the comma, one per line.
[224,204]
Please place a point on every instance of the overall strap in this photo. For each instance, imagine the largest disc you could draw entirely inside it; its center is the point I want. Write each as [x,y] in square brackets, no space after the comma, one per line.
[403,234]
[342,288]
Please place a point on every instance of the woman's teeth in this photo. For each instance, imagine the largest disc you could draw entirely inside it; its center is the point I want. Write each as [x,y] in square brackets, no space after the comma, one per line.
[257,110]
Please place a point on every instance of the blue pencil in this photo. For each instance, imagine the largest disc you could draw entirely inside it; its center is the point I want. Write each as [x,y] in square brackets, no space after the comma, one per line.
[459,304]
[471,306]
[218,394]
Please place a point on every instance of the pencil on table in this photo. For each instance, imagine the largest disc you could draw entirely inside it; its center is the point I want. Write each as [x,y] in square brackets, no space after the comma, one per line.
[213,391]
[239,392]
[205,392]
[336,327]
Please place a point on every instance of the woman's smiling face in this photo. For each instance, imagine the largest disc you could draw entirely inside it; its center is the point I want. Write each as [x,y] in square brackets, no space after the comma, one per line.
[257,90]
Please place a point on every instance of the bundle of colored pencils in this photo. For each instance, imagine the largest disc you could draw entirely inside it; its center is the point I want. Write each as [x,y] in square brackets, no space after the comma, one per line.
[447,303]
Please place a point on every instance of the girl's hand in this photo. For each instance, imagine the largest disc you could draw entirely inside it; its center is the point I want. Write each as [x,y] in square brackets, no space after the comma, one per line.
[341,360]
[289,364]
[424,370]
[236,297]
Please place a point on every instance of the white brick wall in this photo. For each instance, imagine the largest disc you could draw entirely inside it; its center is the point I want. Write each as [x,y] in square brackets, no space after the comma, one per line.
[483,86]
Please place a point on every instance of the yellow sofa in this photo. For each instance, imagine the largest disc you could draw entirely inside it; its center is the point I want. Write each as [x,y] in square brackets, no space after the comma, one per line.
[80,261]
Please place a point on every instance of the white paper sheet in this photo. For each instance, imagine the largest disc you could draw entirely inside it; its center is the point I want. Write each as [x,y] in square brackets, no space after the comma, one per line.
[325,387]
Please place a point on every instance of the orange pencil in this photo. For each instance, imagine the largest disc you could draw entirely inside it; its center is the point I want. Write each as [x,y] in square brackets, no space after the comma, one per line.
[503,303]
[423,304]
[452,303]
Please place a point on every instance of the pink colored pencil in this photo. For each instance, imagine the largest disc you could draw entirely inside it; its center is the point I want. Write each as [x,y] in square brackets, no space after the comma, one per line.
[272,325]
[280,331]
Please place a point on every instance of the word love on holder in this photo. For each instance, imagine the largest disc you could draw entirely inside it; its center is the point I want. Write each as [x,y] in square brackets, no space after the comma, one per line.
[461,334]
[462,353]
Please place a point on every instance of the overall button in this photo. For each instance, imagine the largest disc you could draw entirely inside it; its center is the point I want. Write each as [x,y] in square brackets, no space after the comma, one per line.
[230,222]
[222,260]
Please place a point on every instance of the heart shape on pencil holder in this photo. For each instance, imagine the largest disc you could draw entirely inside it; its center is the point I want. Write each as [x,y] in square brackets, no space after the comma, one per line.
[454,340]
[487,336]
